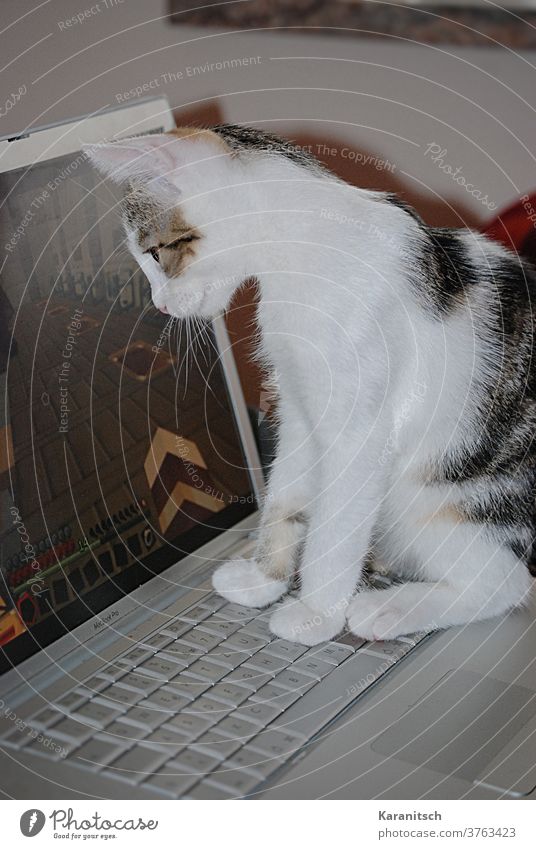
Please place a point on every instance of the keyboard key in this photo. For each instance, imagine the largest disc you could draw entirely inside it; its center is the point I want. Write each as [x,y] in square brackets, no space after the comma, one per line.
[243,642]
[229,659]
[350,640]
[137,764]
[133,657]
[311,665]
[206,671]
[276,743]
[248,677]
[260,765]
[96,753]
[263,661]
[70,701]
[332,653]
[122,733]
[191,725]
[53,748]
[98,715]
[190,688]
[176,628]
[286,650]
[230,694]
[258,712]
[237,613]
[197,613]
[145,718]
[236,728]
[171,781]
[70,729]
[165,700]
[167,738]
[157,641]
[138,682]
[259,628]
[95,684]
[216,745]
[182,653]
[45,718]
[112,672]
[221,627]
[273,695]
[116,695]
[214,602]
[235,781]
[160,667]
[202,640]
[294,681]
[208,707]
[390,650]
[195,762]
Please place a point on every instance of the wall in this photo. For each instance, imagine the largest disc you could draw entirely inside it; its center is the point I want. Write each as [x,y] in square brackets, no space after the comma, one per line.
[376,98]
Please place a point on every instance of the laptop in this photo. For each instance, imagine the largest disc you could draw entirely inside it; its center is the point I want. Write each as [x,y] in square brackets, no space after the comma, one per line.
[129,470]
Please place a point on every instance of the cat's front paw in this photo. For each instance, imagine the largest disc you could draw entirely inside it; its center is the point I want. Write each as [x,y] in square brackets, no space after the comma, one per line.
[373,616]
[243,582]
[299,623]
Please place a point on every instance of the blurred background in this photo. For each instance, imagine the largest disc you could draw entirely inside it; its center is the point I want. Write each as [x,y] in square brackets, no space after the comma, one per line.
[433,101]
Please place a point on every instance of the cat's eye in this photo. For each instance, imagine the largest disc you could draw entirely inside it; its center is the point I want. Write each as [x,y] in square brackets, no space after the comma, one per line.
[189,237]
[154,254]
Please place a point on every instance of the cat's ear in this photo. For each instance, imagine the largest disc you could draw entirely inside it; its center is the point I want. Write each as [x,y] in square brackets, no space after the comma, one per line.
[151,157]
[147,156]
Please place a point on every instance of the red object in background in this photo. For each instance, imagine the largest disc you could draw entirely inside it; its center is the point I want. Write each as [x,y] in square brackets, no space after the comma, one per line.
[515,228]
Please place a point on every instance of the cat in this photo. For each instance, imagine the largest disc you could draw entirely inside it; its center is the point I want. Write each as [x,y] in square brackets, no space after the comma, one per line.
[406,379]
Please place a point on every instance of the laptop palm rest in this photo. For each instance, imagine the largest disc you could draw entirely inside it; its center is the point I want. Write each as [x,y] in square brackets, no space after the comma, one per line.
[467,725]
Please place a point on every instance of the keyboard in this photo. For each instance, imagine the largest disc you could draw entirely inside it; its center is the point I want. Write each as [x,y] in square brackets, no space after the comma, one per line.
[209,706]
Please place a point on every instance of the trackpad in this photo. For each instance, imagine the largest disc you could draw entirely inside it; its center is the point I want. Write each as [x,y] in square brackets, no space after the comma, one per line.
[461,725]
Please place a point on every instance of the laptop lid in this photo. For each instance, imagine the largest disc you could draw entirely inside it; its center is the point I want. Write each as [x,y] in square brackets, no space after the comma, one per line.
[124,443]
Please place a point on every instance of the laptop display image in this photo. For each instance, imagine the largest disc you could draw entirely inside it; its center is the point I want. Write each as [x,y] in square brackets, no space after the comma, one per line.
[123,451]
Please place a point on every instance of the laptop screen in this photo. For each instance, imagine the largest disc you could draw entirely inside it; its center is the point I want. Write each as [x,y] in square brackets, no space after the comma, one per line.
[119,452]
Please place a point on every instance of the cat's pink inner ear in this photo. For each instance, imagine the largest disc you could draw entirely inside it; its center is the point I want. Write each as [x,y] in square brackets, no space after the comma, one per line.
[120,160]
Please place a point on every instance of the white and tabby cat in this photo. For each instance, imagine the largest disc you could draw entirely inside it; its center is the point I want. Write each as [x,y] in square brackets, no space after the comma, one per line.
[407,385]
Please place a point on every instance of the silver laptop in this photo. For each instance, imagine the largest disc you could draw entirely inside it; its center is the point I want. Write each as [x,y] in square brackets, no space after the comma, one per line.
[129,469]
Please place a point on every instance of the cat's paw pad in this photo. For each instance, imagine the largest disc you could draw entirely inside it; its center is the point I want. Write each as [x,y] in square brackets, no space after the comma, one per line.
[372,617]
[243,582]
[297,622]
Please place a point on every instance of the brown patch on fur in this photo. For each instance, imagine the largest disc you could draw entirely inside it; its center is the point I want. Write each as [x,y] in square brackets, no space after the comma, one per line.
[174,239]
[277,550]
[201,134]
[448,513]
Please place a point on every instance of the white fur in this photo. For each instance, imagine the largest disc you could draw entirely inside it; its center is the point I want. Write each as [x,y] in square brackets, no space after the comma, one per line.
[371,388]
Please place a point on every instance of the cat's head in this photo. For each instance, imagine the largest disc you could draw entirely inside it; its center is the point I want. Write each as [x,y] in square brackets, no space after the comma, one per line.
[182,219]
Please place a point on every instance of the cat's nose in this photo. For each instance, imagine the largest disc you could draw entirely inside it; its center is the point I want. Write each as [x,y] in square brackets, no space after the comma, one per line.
[164,310]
